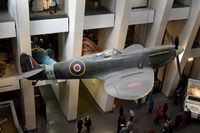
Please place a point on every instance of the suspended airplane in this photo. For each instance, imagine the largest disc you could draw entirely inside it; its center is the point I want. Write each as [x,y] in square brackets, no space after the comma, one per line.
[128,74]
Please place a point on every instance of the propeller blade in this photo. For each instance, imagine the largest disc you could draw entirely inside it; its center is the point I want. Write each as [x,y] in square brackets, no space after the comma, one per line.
[176,42]
[178,50]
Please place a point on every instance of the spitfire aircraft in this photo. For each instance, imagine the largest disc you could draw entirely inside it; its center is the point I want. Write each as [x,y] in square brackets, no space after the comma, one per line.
[128,74]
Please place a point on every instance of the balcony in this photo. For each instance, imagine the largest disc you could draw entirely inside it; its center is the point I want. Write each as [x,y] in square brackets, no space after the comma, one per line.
[7,25]
[141,16]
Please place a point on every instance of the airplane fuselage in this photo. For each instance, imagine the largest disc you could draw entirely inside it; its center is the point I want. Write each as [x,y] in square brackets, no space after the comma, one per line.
[91,66]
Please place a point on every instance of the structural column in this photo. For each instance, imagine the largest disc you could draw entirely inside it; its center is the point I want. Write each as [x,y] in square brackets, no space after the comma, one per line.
[28,104]
[70,49]
[110,38]
[195,72]
[24,46]
[157,29]
[186,38]
[115,37]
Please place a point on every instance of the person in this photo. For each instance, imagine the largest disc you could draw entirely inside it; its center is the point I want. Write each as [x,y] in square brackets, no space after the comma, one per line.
[151,131]
[132,114]
[121,111]
[165,128]
[121,123]
[183,121]
[177,96]
[80,124]
[170,127]
[124,130]
[158,115]
[168,119]
[130,126]
[177,120]
[151,104]
[164,110]
[25,130]
[88,123]
[139,102]
[188,116]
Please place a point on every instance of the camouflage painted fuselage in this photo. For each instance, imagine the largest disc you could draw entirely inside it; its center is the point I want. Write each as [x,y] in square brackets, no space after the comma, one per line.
[95,65]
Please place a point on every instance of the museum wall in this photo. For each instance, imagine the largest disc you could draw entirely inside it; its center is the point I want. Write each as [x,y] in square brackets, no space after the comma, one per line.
[110,4]
[160,73]
[139,3]
[175,27]
[96,89]
[195,74]
[12,8]
[187,68]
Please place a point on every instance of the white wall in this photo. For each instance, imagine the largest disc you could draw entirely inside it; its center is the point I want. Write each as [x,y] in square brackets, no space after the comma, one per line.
[96,89]
[176,27]
[186,39]
[139,3]
[110,38]
[157,29]
[12,8]
[110,4]
[195,74]
[70,47]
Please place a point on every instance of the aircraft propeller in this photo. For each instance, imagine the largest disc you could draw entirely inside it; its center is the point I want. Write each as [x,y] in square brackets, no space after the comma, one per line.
[176,43]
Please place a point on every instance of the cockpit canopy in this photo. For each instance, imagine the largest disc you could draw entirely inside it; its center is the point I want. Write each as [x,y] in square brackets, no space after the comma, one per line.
[108,53]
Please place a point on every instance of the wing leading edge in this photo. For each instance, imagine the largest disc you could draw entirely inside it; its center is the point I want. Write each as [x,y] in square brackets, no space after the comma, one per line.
[130,84]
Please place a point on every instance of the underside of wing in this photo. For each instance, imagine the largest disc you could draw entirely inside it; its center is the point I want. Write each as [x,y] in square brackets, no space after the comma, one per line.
[130,84]
[30,73]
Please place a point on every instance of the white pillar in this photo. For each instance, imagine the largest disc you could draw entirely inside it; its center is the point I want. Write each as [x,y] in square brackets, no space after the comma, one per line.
[70,49]
[23,29]
[76,11]
[96,89]
[24,46]
[195,72]
[186,38]
[115,37]
[111,38]
[28,104]
[157,29]
[69,92]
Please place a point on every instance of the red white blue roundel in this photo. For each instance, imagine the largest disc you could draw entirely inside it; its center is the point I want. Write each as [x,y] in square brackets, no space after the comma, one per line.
[77,68]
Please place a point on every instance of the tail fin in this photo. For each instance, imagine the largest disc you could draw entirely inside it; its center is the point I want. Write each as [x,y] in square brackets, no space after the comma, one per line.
[27,63]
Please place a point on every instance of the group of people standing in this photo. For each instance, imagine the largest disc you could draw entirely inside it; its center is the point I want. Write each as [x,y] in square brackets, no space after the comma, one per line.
[124,127]
[169,125]
[87,123]
[182,118]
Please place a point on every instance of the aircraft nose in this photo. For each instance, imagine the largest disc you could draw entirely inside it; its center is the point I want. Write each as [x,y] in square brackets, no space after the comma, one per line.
[179,51]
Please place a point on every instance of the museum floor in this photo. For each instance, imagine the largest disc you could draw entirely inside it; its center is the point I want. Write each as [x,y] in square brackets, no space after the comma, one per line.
[107,122]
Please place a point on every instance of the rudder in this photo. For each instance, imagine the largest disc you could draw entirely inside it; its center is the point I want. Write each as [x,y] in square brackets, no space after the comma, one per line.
[27,63]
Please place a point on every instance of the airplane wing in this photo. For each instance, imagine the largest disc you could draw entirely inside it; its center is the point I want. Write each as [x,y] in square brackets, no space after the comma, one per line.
[28,74]
[129,84]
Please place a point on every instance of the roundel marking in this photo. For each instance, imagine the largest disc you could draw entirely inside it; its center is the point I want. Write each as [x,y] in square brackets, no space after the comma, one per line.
[77,67]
